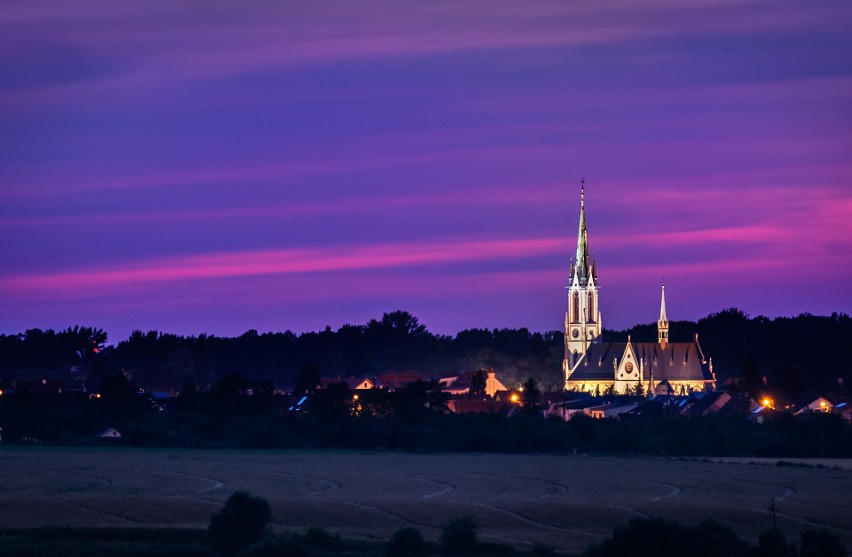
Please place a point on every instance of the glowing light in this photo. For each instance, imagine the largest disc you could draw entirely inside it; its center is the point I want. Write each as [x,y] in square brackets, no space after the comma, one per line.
[766,402]
[355,397]
[514,398]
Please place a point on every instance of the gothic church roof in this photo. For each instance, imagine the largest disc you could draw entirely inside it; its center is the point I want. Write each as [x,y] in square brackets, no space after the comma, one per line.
[679,362]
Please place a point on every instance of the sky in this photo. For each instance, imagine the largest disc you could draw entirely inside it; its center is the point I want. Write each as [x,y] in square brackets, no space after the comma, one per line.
[213,167]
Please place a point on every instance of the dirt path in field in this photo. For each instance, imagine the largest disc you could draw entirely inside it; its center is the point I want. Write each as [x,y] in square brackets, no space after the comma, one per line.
[674,491]
[445,488]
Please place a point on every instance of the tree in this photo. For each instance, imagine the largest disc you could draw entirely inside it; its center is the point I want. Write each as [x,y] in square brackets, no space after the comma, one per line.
[477,385]
[419,398]
[458,536]
[772,543]
[243,521]
[308,380]
[821,543]
[532,397]
[398,324]
[407,542]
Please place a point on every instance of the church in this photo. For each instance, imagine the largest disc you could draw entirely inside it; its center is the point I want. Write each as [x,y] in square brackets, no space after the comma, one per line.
[590,365]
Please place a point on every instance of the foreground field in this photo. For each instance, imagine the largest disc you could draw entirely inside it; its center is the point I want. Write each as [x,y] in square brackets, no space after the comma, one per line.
[566,502]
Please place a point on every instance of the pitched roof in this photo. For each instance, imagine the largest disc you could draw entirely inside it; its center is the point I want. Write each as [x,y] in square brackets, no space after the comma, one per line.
[680,361]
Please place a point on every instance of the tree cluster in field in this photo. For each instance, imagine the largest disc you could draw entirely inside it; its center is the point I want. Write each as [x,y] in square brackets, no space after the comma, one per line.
[751,354]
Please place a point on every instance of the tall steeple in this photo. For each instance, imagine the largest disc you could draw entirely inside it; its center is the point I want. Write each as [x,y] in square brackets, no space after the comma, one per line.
[663,322]
[583,318]
[582,259]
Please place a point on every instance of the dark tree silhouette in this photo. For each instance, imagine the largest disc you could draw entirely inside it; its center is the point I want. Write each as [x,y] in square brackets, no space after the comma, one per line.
[407,542]
[477,385]
[532,397]
[308,380]
[243,520]
[821,543]
[458,536]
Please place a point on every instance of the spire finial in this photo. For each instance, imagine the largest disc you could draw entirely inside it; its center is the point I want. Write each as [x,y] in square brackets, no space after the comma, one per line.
[582,190]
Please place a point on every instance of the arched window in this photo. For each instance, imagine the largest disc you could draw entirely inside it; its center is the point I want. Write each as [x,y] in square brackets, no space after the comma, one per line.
[591,306]
[576,304]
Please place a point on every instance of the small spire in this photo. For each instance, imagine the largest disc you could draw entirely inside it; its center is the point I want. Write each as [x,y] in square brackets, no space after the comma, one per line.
[663,318]
[582,191]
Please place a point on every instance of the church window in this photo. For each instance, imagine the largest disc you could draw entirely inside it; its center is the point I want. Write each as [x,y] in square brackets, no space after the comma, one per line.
[591,306]
[576,305]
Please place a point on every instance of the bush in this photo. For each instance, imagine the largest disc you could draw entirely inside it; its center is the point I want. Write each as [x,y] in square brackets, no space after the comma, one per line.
[407,542]
[318,537]
[656,537]
[772,543]
[276,546]
[821,543]
[243,521]
[458,537]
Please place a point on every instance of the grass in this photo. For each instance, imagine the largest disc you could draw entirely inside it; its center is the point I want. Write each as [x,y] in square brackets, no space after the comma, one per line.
[95,542]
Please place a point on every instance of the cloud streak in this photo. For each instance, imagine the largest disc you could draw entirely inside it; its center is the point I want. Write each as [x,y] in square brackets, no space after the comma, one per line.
[286,262]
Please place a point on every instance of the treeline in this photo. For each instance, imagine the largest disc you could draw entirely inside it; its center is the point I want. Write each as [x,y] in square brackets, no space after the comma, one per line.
[788,355]
[398,342]
[413,419]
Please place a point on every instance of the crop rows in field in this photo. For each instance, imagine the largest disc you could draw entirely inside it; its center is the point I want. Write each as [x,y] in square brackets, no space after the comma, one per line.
[566,502]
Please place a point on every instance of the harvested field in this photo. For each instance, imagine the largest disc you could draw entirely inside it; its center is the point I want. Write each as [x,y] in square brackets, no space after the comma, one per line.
[565,502]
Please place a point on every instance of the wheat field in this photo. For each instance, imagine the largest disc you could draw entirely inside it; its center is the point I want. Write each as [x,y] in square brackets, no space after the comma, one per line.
[566,502]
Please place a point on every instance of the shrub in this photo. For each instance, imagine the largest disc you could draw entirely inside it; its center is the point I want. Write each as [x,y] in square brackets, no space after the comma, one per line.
[772,543]
[276,546]
[407,542]
[656,537]
[458,537]
[318,537]
[821,543]
[243,521]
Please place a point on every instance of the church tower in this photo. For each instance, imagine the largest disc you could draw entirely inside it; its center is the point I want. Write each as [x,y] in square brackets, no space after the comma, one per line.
[663,322]
[583,318]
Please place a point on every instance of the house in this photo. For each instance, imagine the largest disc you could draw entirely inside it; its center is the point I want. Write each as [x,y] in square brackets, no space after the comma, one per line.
[397,379]
[567,408]
[844,410]
[460,383]
[353,383]
[609,410]
[818,404]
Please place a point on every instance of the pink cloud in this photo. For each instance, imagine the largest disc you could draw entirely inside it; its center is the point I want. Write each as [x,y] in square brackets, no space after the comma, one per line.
[246,264]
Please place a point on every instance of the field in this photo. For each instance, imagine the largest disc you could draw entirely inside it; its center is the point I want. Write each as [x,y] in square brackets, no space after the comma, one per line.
[566,502]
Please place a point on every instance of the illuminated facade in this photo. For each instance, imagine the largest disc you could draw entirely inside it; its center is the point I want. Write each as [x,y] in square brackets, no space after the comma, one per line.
[583,318]
[660,367]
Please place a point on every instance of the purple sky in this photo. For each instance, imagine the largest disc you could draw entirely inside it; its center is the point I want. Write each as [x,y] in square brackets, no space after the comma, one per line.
[219,166]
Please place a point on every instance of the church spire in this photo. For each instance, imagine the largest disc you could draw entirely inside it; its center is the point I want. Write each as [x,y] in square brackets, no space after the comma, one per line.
[582,259]
[663,322]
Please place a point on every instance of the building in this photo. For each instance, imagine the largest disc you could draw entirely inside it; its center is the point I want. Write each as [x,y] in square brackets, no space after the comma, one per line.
[590,365]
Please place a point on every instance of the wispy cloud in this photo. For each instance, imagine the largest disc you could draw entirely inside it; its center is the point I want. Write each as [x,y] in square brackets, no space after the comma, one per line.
[285,262]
